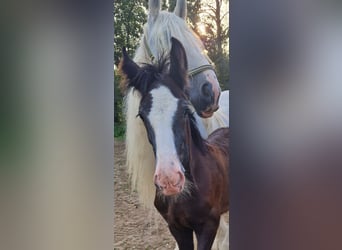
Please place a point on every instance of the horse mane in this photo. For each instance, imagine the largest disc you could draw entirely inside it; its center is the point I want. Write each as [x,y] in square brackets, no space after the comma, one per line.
[195,133]
[159,35]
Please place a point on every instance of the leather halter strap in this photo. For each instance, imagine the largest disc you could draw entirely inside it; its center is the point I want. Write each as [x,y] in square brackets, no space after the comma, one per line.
[191,72]
[200,69]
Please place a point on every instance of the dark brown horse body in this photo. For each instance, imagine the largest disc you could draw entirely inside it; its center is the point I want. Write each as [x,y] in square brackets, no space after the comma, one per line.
[200,211]
[191,173]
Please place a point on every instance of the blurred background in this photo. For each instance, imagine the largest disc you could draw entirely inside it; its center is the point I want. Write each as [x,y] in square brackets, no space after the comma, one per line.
[56,125]
[286,124]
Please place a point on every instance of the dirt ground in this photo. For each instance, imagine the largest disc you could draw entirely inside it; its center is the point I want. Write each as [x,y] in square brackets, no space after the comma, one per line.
[134,227]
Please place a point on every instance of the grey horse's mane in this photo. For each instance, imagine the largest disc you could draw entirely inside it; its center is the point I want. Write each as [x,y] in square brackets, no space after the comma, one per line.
[158,37]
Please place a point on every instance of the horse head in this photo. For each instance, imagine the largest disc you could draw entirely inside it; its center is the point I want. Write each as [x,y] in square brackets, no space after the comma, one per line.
[163,108]
[204,89]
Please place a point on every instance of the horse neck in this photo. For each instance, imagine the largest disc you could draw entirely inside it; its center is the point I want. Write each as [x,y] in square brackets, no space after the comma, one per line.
[196,148]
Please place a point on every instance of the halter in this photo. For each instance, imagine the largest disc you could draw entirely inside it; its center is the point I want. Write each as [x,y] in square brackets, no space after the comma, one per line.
[191,72]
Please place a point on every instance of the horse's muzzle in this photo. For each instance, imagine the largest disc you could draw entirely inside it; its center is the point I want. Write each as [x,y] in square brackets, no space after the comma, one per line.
[208,101]
[210,111]
[170,185]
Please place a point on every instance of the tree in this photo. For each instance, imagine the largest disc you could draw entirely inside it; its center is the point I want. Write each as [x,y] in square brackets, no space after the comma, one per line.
[164,4]
[215,19]
[194,10]
[129,18]
[213,15]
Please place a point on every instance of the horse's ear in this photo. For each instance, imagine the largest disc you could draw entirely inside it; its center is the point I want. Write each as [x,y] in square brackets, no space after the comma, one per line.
[178,63]
[153,10]
[181,9]
[128,67]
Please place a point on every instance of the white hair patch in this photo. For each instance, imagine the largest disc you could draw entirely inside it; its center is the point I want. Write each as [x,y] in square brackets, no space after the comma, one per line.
[164,107]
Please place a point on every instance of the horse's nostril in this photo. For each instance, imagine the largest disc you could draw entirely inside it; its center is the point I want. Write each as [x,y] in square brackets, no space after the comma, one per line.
[180,180]
[206,89]
[156,181]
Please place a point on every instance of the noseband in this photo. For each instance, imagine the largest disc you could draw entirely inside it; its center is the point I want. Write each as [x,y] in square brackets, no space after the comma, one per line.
[191,72]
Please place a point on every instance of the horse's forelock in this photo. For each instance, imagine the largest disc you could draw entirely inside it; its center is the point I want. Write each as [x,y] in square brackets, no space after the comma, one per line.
[148,74]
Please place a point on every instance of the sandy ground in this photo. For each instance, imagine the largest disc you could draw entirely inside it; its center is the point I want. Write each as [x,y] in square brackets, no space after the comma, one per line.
[134,227]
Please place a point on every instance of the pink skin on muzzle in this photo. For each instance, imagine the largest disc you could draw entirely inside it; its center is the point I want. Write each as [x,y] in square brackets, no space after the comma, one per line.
[169,177]
[211,78]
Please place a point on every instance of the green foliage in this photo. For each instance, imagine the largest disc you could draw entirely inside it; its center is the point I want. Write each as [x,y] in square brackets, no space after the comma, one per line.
[215,18]
[172,5]
[164,4]
[193,18]
[119,130]
[118,99]
[119,120]
[222,70]
[129,18]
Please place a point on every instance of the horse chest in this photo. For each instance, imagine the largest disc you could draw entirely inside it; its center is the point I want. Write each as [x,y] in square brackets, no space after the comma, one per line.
[184,211]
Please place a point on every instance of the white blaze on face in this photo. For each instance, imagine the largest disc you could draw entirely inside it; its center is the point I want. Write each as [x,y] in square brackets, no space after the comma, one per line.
[168,174]
[164,107]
